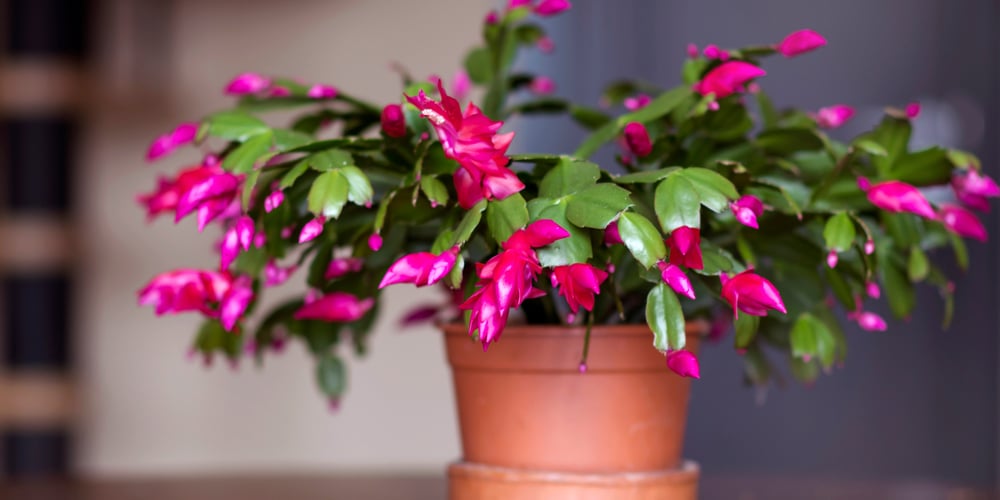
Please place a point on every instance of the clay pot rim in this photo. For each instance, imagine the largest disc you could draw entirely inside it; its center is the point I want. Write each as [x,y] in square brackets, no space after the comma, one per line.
[695,327]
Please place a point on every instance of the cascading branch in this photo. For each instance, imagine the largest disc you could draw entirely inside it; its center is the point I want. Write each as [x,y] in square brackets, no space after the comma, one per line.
[718,206]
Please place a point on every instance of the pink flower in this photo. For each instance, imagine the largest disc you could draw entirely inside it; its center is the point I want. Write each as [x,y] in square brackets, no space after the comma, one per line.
[637,139]
[471,140]
[713,51]
[728,78]
[210,197]
[611,234]
[393,121]
[832,258]
[912,110]
[546,45]
[751,293]
[237,237]
[421,269]
[685,247]
[507,279]
[165,144]
[169,191]
[375,242]
[492,17]
[800,42]
[868,321]
[692,51]
[312,229]
[275,275]
[962,222]
[578,283]
[637,102]
[461,85]
[683,363]
[747,209]
[869,247]
[542,85]
[872,289]
[320,91]
[833,116]
[513,4]
[973,189]
[278,91]
[337,307]
[674,277]
[273,200]
[343,267]
[235,302]
[247,83]
[551,7]
[185,290]
[897,196]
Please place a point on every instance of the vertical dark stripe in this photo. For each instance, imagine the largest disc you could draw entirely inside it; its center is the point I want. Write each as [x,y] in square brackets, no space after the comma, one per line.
[37,325]
[39,150]
[47,28]
[36,452]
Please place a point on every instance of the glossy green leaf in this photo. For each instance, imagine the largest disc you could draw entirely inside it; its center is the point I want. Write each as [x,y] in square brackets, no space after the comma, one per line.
[665,317]
[746,330]
[803,337]
[331,375]
[292,175]
[248,190]
[506,216]
[677,203]
[434,190]
[929,167]
[328,194]
[330,158]
[897,288]
[359,188]
[576,248]
[960,250]
[242,159]
[588,118]
[479,65]
[642,239]
[893,134]
[454,278]
[716,260]
[870,147]
[469,223]
[646,177]
[786,141]
[235,125]
[839,232]
[917,265]
[596,206]
[285,139]
[568,177]
[714,190]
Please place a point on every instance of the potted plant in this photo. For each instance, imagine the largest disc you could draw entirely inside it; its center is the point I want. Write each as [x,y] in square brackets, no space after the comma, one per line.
[588,285]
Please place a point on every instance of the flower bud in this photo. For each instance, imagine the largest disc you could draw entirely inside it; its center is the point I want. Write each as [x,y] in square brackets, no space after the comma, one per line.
[393,121]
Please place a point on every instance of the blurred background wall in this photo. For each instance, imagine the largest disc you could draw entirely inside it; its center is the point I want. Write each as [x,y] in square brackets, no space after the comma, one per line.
[913,402]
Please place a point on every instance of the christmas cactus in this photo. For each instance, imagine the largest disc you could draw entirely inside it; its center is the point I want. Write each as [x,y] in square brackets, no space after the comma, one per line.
[717,206]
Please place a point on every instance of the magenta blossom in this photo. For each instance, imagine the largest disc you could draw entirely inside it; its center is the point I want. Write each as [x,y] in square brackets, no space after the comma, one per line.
[471,140]
[692,51]
[273,200]
[973,189]
[832,258]
[751,293]
[542,85]
[578,283]
[637,102]
[800,42]
[343,267]
[248,83]
[337,307]
[235,302]
[872,289]
[962,222]
[320,91]
[912,110]
[683,363]
[611,234]
[312,229]
[393,121]
[185,290]
[728,78]
[897,197]
[833,116]
[551,7]
[507,279]
[278,91]
[869,247]
[210,197]
[674,277]
[637,139]
[713,51]
[238,237]
[421,269]
[165,144]
[375,242]
[685,247]
[461,84]
[169,191]
[275,275]
[747,209]
[868,321]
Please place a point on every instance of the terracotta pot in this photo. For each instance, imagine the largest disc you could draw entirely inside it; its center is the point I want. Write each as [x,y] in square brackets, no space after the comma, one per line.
[534,426]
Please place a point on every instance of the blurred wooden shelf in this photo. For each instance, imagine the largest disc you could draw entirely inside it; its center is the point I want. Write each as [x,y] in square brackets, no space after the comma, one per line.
[430,487]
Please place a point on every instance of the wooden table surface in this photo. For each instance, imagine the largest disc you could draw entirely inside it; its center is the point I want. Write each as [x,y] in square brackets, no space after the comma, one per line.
[402,487]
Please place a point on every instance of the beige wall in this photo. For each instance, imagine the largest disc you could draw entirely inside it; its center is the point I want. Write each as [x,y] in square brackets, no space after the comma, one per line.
[148,409]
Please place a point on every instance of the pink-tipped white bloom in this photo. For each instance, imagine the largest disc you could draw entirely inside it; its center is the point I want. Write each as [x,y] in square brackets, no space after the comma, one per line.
[247,83]
[312,229]
[335,307]
[675,278]
[637,102]
[320,91]
[507,279]
[211,197]
[274,200]
[683,363]
[551,7]
[165,144]
[542,85]
[375,242]
[471,140]
[578,283]
[637,139]
[912,110]
[962,222]
[974,189]
[684,244]
[275,275]
[897,197]
[728,78]
[343,267]
[833,116]
[751,293]
[420,269]
[747,209]
[800,42]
